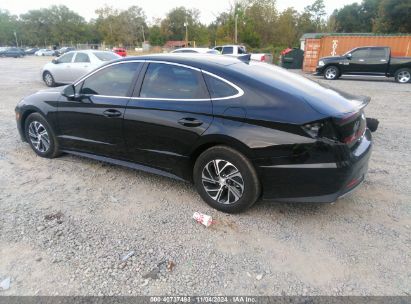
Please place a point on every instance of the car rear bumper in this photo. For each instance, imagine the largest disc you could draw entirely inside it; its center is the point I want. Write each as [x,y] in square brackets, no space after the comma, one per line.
[315,181]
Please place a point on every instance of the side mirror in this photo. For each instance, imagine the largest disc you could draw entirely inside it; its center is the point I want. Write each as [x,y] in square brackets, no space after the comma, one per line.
[349,56]
[55,61]
[69,92]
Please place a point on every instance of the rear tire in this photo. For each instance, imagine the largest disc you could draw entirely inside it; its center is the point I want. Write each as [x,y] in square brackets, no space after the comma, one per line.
[403,75]
[332,72]
[226,179]
[40,136]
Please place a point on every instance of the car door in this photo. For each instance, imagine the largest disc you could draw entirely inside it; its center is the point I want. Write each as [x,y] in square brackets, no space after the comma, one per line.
[170,111]
[358,63]
[377,62]
[61,69]
[80,66]
[92,121]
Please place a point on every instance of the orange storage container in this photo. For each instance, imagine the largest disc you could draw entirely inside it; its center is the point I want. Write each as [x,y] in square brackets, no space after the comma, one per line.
[334,45]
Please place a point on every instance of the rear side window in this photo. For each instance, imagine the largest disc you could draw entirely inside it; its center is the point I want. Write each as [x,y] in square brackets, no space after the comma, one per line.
[228,50]
[378,53]
[241,50]
[81,57]
[172,81]
[114,80]
[219,88]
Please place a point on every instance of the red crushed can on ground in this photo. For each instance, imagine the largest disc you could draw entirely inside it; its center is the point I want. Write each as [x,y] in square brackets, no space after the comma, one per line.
[204,219]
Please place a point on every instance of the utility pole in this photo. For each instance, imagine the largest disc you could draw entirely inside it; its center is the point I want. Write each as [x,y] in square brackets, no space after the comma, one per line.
[15,36]
[144,37]
[235,30]
[186,25]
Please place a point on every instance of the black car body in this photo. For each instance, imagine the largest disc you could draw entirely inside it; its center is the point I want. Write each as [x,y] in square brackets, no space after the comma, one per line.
[12,52]
[303,141]
[366,61]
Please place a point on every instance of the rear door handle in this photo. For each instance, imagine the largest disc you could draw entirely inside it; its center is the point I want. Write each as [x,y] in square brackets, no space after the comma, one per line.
[383,60]
[112,113]
[190,122]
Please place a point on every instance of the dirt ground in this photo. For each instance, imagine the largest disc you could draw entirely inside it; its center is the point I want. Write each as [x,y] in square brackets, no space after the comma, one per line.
[66,224]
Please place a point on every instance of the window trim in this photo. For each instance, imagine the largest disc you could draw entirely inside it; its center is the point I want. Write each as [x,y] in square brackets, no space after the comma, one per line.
[240,92]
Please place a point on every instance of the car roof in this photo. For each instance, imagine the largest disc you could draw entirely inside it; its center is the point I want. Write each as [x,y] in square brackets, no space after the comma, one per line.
[191,59]
[192,48]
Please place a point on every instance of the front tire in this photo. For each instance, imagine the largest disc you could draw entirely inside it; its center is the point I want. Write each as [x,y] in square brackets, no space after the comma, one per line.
[403,76]
[226,179]
[48,79]
[40,136]
[331,73]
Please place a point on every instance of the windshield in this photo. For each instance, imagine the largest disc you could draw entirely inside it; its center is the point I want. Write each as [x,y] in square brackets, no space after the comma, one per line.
[106,56]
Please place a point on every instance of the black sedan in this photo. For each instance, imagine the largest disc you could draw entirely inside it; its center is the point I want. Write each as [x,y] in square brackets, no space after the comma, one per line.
[239,130]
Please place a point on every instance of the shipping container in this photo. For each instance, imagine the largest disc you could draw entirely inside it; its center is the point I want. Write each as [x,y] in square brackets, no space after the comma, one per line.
[334,45]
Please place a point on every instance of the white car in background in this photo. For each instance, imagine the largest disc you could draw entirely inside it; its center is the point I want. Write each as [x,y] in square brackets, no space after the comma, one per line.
[240,50]
[195,50]
[72,65]
[44,52]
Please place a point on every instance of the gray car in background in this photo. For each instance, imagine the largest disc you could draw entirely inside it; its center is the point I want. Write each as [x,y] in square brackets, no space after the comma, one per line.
[72,65]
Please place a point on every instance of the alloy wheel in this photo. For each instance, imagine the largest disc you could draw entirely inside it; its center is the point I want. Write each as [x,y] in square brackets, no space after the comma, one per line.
[48,79]
[404,76]
[331,73]
[222,181]
[39,137]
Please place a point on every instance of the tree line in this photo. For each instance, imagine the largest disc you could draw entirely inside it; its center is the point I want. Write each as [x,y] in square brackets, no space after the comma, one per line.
[259,24]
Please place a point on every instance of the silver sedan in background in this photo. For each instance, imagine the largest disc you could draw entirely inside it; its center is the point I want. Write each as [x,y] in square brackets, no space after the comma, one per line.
[72,65]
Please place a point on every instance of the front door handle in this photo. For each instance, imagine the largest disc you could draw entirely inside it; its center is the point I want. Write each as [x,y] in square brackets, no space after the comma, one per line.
[361,60]
[190,122]
[112,113]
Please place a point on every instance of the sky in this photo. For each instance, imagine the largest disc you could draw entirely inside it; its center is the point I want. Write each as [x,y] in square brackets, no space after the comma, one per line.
[156,8]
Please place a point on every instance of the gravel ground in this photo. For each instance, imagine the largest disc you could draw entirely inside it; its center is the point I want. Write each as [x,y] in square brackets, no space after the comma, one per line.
[67,224]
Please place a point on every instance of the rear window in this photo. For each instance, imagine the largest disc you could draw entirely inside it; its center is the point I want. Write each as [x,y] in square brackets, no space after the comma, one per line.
[106,56]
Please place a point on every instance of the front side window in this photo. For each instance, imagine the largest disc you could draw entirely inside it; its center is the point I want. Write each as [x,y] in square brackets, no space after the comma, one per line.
[228,50]
[82,57]
[114,80]
[360,54]
[66,58]
[172,81]
[219,88]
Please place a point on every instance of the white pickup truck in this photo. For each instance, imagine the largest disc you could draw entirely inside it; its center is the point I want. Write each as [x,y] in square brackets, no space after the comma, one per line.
[238,50]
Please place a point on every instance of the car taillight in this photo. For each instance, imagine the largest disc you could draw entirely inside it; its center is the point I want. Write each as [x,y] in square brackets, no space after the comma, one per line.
[263,58]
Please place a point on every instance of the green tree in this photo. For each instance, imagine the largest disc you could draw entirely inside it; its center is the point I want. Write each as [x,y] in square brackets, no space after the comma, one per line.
[8,25]
[173,28]
[394,17]
[155,36]
[313,16]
